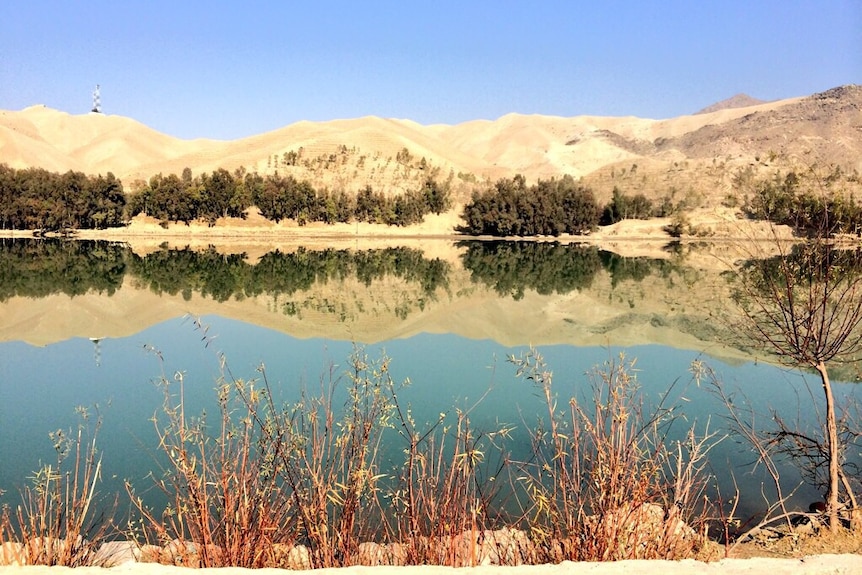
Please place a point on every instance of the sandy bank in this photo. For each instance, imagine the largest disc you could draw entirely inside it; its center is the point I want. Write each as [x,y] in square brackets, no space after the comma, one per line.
[813,565]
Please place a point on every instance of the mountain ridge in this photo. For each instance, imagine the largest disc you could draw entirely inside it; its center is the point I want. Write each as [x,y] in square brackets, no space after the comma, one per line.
[394,154]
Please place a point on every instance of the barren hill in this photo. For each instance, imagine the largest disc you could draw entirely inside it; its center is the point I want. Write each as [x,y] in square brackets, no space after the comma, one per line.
[737,101]
[696,155]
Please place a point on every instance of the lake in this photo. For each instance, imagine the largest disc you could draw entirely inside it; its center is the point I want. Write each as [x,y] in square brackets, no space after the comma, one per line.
[97,324]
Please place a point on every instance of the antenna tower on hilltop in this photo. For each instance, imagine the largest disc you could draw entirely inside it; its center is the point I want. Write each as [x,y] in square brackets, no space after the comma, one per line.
[97,101]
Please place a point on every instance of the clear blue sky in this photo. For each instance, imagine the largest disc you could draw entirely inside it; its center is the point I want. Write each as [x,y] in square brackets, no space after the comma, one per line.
[229,69]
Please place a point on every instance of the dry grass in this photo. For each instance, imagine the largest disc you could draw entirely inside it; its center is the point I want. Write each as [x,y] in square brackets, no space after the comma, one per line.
[307,484]
[60,519]
[273,477]
[226,504]
[604,482]
[446,500]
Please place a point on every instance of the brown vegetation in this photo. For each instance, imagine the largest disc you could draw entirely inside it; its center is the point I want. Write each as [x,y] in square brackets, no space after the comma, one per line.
[305,485]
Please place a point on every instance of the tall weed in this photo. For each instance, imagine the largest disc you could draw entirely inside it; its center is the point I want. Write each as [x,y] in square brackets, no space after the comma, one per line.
[227,505]
[604,482]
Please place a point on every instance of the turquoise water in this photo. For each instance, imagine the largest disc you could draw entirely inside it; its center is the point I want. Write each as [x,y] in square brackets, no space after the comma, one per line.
[41,386]
[510,291]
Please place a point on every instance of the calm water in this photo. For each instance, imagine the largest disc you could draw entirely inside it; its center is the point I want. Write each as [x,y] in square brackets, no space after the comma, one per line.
[40,386]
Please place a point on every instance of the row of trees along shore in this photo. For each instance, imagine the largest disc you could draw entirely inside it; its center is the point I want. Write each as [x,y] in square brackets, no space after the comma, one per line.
[36,199]
[813,203]
[222,194]
[552,207]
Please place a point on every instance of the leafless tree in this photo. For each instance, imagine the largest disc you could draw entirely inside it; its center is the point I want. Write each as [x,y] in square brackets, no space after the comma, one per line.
[805,306]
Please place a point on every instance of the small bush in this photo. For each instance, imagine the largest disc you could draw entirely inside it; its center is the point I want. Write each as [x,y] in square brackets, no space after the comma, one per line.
[678,226]
[226,501]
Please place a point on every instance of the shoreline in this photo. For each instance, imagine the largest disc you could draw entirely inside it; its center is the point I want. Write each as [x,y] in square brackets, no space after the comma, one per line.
[823,564]
[711,225]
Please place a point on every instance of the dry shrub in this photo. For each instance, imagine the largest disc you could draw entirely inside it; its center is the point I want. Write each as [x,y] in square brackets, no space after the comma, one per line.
[226,502]
[604,483]
[60,519]
[331,468]
[275,481]
[447,496]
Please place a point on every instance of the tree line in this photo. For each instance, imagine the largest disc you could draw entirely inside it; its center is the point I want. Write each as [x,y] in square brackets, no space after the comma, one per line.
[209,197]
[36,199]
[549,207]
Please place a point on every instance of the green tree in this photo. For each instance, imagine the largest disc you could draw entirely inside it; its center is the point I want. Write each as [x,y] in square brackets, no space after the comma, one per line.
[804,201]
[270,197]
[624,207]
[107,202]
[370,206]
[549,207]
[8,195]
[217,196]
[437,197]
[168,199]
[580,204]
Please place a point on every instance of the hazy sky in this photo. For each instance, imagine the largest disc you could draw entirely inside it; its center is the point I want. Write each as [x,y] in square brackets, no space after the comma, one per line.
[229,69]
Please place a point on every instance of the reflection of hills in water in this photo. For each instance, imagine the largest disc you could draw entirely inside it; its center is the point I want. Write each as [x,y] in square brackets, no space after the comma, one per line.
[516,293]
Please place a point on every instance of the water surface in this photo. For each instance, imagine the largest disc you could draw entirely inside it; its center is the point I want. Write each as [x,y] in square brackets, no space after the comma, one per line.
[123,321]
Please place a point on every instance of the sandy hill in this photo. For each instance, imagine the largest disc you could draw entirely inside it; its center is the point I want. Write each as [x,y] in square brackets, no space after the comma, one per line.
[695,154]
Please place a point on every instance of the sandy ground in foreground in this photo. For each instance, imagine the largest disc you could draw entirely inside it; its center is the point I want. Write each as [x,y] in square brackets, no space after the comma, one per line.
[813,565]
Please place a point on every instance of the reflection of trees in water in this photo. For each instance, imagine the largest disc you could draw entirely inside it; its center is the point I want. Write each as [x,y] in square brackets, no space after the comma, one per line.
[187,271]
[279,273]
[815,284]
[37,268]
[511,268]
[276,273]
[42,267]
[622,269]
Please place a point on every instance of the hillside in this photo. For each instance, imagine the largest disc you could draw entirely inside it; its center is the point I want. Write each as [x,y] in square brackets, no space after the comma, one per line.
[697,156]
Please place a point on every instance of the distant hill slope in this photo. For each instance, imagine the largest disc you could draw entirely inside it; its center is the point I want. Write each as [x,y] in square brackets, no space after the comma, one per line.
[737,101]
[698,155]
